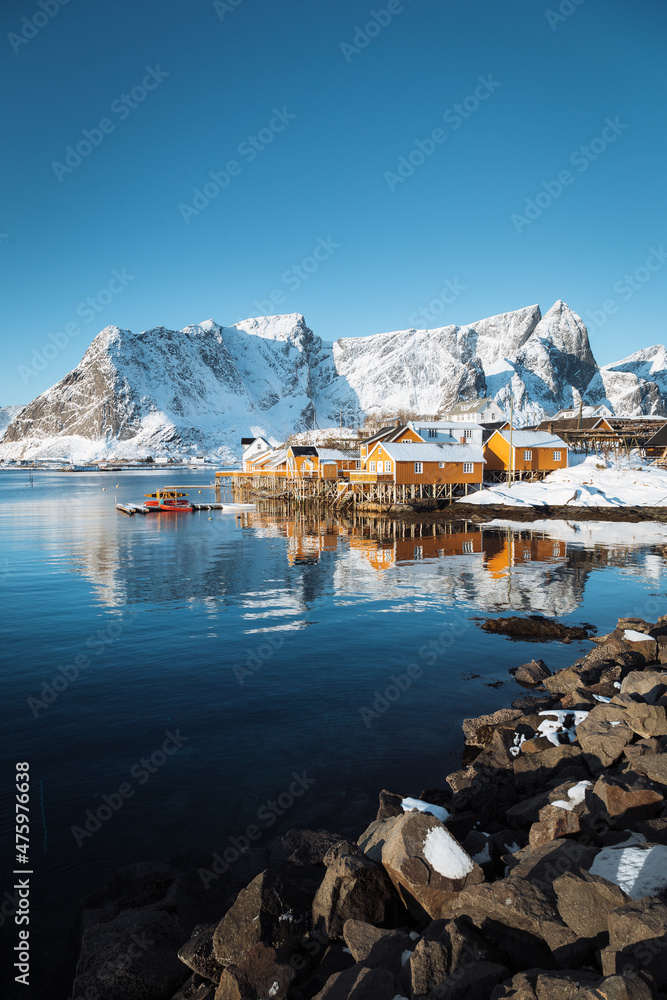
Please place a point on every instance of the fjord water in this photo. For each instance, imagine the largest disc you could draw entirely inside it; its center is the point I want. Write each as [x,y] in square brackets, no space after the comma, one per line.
[256,647]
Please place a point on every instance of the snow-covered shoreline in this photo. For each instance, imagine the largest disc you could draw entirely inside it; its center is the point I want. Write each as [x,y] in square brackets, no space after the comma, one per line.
[593,483]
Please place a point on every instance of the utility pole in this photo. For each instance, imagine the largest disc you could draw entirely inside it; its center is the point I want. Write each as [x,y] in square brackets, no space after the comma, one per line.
[511,461]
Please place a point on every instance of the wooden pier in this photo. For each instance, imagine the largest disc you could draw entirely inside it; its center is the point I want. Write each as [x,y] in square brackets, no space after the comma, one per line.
[138,508]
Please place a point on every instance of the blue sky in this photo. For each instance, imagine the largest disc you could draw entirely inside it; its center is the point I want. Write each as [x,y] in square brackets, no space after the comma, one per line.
[305,110]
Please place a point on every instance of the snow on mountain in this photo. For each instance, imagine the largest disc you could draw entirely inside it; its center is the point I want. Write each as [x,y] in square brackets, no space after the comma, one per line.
[7,414]
[635,385]
[199,390]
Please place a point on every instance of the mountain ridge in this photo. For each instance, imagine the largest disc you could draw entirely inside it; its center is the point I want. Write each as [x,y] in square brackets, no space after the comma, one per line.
[198,390]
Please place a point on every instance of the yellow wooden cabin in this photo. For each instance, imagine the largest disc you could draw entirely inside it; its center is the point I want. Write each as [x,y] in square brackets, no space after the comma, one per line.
[533,452]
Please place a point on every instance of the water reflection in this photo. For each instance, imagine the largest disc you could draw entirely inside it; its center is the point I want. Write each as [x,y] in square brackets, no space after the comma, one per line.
[275,567]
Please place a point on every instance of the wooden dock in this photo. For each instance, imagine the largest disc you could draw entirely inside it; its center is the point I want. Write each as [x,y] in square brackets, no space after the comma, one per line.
[138,508]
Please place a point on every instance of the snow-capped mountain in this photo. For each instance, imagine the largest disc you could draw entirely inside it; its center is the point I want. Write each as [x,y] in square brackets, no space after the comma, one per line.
[7,414]
[198,390]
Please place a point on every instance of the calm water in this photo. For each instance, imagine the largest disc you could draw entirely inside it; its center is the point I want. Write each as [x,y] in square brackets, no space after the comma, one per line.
[262,644]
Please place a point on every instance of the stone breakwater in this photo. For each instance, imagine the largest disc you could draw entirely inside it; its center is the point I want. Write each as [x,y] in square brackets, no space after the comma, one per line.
[538,872]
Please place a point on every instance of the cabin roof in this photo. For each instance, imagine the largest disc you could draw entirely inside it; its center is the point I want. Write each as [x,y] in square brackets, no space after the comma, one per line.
[533,439]
[337,454]
[246,441]
[303,450]
[658,439]
[435,452]
[572,423]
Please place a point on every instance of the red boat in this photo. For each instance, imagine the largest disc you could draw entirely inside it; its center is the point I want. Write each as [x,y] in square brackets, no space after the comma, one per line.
[167,502]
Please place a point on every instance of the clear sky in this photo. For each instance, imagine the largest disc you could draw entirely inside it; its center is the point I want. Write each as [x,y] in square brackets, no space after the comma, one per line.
[317,117]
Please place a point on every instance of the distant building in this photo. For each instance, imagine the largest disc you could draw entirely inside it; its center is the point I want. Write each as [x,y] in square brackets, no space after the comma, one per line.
[252,449]
[585,411]
[480,411]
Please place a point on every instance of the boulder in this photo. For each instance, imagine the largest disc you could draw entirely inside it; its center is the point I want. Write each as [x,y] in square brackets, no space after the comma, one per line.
[478,731]
[651,766]
[360,983]
[270,911]
[533,673]
[470,982]
[623,800]
[427,865]
[196,988]
[445,947]
[554,822]
[585,901]
[646,720]
[645,685]
[541,865]
[132,930]
[655,830]
[375,947]
[520,919]
[302,848]
[198,955]
[637,936]
[639,869]
[629,986]
[354,888]
[539,984]
[263,971]
[602,741]
[532,771]
[563,681]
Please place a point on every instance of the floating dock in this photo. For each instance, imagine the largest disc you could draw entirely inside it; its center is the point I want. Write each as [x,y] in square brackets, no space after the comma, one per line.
[138,508]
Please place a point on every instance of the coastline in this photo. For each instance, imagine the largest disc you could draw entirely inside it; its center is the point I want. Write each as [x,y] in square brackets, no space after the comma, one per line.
[538,869]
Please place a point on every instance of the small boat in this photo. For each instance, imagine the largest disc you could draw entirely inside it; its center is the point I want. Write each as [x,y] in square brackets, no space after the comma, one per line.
[167,502]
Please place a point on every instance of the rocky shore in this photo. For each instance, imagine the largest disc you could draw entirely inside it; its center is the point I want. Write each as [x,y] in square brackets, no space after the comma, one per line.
[537,872]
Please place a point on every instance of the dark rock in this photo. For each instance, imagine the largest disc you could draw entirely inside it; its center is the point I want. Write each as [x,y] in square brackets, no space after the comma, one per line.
[629,986]
[460,824]
[585,901]
[262,971]
[354,888]
[655,830]
[360,983]
[530,703]
[540,984]
[426,891]
[132,930]
[197,953]
[646,720]
[479,730]
[519,919]
[270,911]
[341,849]
[637,939]
[389,805]
[470,982]
[334,959]
[196,988]
[531,771]
[541,865]
[642,748]
[445,947]
[645,685]
[535,628]
[653,767]
[554,822]
[533,673]
[374,947]
[602,741]
[373,838]
[623,800]
[302,848]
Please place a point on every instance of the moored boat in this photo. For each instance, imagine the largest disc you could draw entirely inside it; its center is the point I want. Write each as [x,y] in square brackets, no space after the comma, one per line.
[167,502]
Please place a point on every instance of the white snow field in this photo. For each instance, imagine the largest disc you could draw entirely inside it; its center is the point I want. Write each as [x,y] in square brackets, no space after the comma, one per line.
[592,483]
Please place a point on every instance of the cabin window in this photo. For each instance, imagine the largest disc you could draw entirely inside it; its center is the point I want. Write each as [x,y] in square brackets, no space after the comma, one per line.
[387,467]
[441,465]
[432,432]
[357,464]
[371,466]
[468,468]
[468,433]
[419,467]
[556,456]
[468,545]
[527,455]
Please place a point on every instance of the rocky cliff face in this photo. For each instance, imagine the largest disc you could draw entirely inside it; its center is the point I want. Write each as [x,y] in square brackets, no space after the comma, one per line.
[198,390]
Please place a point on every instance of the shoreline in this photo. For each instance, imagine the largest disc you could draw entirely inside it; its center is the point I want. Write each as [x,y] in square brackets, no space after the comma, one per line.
[540,866]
